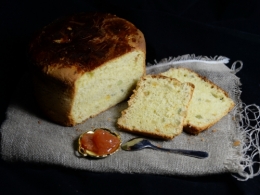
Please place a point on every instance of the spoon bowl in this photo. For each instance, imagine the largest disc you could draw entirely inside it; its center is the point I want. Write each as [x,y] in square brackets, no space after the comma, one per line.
[141,143]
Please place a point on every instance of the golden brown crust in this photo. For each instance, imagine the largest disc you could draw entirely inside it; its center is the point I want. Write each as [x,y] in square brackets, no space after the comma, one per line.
[71,46]
[193,130]
[189,128]
[151,134]
[206,80]
[83,42]
[54,99]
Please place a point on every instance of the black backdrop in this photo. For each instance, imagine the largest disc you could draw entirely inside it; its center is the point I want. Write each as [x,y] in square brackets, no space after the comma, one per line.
[228,28]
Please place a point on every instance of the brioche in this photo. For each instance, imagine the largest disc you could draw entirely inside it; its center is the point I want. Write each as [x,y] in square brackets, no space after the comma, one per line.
[84,64]
[157,107]
[209,102]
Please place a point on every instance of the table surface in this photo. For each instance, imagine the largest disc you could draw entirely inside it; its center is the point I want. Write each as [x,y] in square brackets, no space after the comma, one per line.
[216,28]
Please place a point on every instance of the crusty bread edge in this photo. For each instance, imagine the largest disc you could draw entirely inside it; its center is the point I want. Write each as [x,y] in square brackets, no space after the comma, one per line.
[136,131]
[188,128]
[64,119]
[70,74]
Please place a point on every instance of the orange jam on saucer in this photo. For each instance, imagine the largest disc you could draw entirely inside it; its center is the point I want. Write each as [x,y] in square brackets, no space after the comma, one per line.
[99,142]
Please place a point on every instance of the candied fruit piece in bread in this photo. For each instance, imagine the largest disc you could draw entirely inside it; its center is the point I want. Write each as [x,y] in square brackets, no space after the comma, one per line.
[209,102]
[157,107]
[84,64]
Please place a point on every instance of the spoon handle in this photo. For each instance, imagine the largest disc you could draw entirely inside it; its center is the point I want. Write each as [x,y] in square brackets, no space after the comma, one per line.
[191,153]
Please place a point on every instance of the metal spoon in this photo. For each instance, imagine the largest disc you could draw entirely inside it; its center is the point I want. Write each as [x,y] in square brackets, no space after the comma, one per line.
[141,143]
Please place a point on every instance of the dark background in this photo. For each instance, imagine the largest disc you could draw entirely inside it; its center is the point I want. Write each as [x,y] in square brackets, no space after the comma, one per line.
[228,28]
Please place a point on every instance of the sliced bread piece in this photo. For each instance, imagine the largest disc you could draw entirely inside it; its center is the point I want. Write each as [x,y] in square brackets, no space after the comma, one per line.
[209,102]
[157,107]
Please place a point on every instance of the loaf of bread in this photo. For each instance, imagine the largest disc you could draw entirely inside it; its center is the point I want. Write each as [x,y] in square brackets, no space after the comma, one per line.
[84,64]
[209,102]
[157,107]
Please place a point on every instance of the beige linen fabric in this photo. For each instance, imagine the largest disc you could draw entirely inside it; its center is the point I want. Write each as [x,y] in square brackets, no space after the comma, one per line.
[27,136]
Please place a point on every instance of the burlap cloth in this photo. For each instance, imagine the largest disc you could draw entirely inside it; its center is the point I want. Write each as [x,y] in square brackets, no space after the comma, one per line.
[27,136]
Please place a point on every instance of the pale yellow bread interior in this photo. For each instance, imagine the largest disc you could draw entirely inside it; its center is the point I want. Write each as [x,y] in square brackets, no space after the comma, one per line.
[107,85]
[157,107]
[83,64]
[209,102]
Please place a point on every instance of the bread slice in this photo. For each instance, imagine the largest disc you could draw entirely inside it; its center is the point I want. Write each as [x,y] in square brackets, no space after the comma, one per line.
[84,64]
[157,107]
[209,102]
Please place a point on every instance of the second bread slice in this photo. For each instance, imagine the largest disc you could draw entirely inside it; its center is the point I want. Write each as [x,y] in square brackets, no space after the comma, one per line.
[157,107]
[209,102]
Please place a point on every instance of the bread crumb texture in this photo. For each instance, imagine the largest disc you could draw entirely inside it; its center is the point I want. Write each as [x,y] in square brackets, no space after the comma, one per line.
[209,102]
[157,107]
[104,87]
[85,63]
